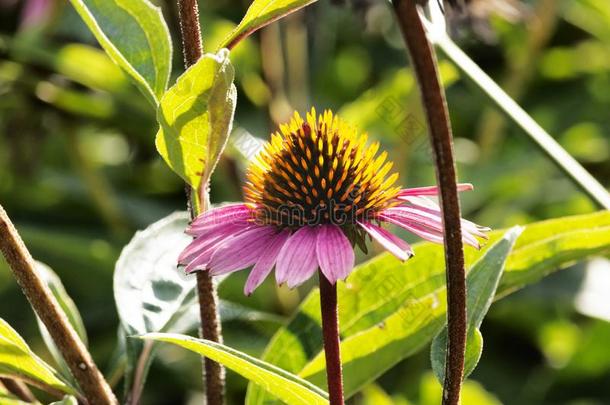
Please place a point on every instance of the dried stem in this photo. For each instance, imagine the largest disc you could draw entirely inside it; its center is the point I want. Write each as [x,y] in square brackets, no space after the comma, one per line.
[433,97]
[208,300]
[140,372]
[330,332]
[19,389]
[84,370]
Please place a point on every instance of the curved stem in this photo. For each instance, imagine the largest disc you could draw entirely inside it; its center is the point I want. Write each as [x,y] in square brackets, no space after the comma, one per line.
[330,332]
[208,300]
[74,352]
[433,96]
[19,389]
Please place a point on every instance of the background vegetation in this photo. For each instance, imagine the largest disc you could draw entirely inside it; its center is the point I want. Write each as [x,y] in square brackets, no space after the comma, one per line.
[79,173]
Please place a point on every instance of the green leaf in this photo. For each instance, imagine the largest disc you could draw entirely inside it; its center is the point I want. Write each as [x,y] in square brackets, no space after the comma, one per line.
[390,310]
[135,36]
[151,293]
[67,305]
[67,400]
[18,361]
[259,14]
[196,116]
[148,287]
[289,388]
[482,282]
[8,399]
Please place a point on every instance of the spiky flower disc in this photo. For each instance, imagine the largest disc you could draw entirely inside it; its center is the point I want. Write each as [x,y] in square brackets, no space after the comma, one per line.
[314,191]
[318,171]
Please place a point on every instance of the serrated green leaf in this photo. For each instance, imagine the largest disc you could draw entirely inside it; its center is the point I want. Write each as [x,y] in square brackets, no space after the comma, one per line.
[285,386]
[389,310]
[134,34]
[196,116]
[17,360]
[67,305]
[259,14]
[482,282]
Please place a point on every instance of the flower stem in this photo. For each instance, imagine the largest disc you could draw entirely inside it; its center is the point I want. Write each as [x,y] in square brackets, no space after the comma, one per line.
[19,389]
[208,300]
[84,370]
[330,332]
[433,97]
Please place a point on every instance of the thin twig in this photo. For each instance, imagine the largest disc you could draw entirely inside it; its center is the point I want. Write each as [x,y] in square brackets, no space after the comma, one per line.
[330,332]
[84,370]
[545,142]
[433,97]
[140,372]
[19,389]
[208,300]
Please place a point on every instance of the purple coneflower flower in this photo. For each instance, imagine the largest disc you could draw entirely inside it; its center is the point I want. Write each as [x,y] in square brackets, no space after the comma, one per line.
[313,192]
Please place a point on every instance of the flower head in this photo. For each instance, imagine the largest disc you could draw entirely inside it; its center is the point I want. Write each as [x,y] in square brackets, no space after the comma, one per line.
[312,193]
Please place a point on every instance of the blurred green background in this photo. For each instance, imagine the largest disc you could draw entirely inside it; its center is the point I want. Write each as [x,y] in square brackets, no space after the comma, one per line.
[79,173]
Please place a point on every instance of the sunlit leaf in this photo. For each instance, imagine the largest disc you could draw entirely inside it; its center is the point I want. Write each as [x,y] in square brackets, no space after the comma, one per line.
[195,117]
[67,305]
[17,360]
[151,293]
[482,282]
[390,310]
[67,400]
[259,14]
[287,387]
[134,34]
[8,399]
[473,393]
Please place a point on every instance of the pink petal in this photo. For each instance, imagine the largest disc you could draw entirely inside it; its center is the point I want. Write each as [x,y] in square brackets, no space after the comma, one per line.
[241,251]
[431,190]
[421,231]
[266,261]
[432,219]
[335,253]
[202,261]
[228,214]
[388,240]
[297,260]
[209,237]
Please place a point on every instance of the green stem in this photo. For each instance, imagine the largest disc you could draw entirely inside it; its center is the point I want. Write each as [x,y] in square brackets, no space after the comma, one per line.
[506,104]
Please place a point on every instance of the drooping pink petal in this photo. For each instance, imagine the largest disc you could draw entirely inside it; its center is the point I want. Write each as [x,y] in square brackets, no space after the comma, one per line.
[266,261]
[431,190]
[201,242]
[431,216]
[393,244]
[202,260]
[421,231]
[428,229]
[297,260]
[227,214]
[335,253]
[241,251]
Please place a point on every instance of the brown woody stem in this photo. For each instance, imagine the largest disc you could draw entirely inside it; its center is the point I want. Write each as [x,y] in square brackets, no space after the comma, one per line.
[84,370]
[330,332]
[19,389]
[433,97]
[208,300]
